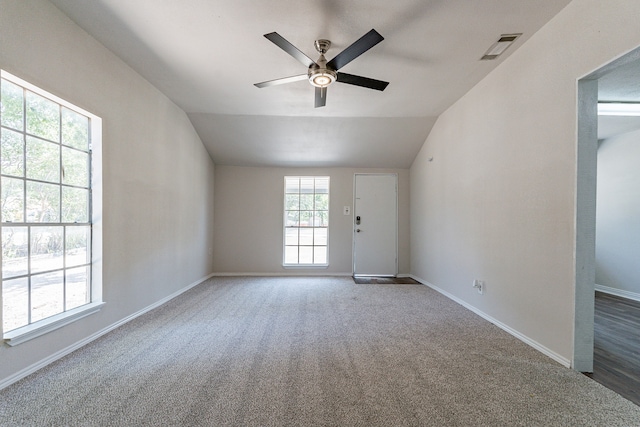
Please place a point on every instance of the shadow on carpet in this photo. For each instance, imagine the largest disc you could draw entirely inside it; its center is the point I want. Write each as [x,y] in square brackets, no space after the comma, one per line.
[385,281]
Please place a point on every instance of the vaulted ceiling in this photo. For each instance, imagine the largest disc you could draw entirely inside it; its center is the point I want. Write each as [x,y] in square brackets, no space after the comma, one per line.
[206,56]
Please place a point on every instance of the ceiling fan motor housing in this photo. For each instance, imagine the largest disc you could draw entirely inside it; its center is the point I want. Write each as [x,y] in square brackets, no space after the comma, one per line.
[319,74]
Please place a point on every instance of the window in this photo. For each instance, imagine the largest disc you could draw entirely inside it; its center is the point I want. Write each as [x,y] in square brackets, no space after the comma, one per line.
[45,168]
[306,220]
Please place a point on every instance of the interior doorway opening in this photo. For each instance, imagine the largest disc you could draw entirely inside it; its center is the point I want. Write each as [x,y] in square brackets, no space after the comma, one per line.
[616,82]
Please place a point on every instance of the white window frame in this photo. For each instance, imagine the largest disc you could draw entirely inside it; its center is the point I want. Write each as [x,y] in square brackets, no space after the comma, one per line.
[288,226]
[40,327]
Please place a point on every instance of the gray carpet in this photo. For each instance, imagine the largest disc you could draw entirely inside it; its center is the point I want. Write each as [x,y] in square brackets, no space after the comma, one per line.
[310,352]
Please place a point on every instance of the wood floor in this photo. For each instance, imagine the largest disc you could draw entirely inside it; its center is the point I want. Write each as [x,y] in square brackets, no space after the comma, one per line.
[616,362]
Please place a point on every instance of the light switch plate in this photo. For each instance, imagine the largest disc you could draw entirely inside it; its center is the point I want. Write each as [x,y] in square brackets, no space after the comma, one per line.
[347,210]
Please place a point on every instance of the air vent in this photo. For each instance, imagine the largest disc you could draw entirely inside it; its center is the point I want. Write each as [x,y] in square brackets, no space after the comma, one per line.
[500,46]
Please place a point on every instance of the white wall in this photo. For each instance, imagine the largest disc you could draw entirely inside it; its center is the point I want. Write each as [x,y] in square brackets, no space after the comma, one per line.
[157,177]
[248,219]
[618,214]
[497,202]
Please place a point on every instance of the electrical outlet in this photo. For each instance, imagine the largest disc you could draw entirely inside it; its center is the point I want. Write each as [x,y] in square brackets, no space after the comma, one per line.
[479,285]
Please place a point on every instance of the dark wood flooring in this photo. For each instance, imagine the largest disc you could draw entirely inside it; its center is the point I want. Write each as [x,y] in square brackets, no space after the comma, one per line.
[616,359]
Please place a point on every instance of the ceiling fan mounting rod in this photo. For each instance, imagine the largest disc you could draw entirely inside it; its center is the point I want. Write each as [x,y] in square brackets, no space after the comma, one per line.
[322,45]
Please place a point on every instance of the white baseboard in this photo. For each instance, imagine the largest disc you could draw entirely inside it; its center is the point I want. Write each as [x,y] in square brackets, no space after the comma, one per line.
[295,273]
[618,292]
[5,382]
[544,350]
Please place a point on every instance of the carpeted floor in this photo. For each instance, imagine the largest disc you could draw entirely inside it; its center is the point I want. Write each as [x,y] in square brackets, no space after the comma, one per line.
[310,352]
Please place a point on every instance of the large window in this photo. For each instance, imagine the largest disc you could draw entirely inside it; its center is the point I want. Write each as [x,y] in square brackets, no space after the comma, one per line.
[45,154]
[306,220]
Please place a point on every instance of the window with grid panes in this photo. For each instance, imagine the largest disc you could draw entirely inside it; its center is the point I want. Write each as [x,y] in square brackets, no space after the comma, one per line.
[45,154]
[306,220]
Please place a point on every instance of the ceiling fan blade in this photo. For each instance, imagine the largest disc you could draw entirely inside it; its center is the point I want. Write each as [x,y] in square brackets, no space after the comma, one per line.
[281,81]
[350,79]
[359,47]
[283,44]
[321,97]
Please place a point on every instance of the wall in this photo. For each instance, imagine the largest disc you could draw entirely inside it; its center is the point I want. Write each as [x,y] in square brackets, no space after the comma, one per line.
[157,177]
[497,202]
[618,215]
[248,219]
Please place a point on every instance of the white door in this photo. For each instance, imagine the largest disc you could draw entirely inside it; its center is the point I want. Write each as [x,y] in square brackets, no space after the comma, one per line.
[375,225]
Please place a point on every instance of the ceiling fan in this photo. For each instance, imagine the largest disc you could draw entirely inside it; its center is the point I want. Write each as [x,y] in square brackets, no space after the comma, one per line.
[322,73]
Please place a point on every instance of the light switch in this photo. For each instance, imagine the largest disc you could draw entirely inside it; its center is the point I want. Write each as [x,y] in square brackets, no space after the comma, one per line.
[347,210]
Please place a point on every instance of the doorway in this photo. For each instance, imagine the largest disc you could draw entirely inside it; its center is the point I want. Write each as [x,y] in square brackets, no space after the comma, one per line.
[585,253]
[375,227]
[616,341]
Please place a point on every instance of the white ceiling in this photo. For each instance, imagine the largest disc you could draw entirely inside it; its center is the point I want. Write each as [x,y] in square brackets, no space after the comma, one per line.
[206,55]
[620,85]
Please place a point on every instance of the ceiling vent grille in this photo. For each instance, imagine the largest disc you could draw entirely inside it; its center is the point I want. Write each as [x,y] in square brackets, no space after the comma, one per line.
[500,46]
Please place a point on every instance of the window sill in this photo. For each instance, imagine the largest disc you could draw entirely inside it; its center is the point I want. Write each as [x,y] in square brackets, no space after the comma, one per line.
[29,332]
[305,266]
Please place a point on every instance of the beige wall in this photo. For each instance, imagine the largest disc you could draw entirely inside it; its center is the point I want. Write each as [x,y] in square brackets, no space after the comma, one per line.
[157,177]
[249,214]
[497,202]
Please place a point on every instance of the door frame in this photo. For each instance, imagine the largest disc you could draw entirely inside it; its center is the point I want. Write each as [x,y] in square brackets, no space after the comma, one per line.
[585,211]
[353,222]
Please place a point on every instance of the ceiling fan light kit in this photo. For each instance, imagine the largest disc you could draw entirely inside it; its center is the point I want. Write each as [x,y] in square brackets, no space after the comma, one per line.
[321,73]
[322,78]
